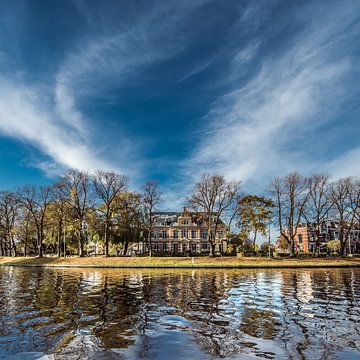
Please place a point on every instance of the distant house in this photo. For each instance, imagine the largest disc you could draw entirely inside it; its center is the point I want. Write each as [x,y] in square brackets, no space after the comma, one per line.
[306,240]
[183,233]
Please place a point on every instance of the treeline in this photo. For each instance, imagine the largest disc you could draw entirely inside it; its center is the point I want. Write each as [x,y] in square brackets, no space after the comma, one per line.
[314,200]
[290,201]
[82,208]
[63,217]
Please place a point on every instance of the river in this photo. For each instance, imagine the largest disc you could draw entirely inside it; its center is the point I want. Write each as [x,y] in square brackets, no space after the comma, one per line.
[179,314]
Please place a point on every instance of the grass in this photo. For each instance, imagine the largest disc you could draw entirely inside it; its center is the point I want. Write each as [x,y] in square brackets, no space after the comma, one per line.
[179,262]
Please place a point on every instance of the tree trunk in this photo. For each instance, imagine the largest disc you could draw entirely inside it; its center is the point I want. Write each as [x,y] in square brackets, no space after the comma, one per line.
[126,246]
[212,248]
[59,241]
[254,242]
[342,248]
[149,244]
[13,245]
[82,239]
[106,239]
[292,247]
[40,247]
[81,247]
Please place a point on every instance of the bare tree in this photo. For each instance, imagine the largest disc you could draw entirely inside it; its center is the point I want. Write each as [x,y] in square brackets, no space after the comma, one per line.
[59,210]
[9,212]
[319,203]
[290,195]
[108,185]
[212,196]
[345,194]
[36,201]
[151,197]
[77,186]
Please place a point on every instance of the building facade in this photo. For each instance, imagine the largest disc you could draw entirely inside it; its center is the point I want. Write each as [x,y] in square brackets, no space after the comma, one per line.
[307,241]
[183,233]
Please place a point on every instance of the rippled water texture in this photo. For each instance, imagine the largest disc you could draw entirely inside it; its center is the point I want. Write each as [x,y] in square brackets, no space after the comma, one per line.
[179,314]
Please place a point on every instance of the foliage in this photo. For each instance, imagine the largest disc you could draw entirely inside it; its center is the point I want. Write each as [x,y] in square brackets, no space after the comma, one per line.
[333,246]
[253,216]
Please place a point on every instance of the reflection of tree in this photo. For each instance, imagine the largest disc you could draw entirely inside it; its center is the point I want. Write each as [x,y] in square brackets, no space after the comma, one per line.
[223,312]
[259,323]
[316,321]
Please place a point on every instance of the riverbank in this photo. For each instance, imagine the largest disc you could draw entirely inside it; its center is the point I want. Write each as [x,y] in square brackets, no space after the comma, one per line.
[178,262]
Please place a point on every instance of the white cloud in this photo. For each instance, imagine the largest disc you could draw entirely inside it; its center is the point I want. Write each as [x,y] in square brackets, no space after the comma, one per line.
[50,117]
[243,56]
[25,114]
[252,132]
[347,164]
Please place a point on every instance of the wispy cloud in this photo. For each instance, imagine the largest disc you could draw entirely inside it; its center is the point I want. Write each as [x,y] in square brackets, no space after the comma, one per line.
[254,131]
[25,114]
[49,116]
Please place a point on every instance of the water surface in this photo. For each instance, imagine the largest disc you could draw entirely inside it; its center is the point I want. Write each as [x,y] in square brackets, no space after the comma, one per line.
[179,314]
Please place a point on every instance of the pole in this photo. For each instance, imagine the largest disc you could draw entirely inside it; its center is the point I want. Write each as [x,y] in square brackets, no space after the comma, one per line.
[64,238]
[349,242]
[269,246]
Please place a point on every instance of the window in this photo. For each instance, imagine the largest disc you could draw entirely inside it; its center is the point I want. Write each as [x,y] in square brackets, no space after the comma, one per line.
[205,246]
[193,247]
[193,234]
[300,238]
[175,234]
[164,234]
[204,234]
[184,233]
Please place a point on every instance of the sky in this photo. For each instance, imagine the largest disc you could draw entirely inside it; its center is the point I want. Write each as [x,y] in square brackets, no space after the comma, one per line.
[168,90]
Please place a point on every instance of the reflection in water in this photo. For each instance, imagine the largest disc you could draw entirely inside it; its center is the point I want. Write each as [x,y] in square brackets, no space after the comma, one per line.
[202,314]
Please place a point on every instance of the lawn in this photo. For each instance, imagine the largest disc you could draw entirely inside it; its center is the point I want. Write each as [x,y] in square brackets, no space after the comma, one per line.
[179,262]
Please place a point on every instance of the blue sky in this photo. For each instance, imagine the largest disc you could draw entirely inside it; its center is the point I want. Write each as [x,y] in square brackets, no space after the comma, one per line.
[167,90]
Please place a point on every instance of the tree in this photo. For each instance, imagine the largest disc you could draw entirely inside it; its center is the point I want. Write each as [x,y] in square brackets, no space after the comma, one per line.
[333,246]
[290,195]
[254,213]
[26,232]
[36,200]
[345,195]
[59,213]
[76,184]
[319,203]
[151,197]
[9,214]
[108,185]
[213,195]
[282,243]
[129,220]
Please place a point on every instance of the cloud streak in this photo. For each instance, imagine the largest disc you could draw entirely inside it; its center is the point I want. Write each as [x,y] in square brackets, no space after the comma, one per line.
[26,115]
[260,128]
[49,116]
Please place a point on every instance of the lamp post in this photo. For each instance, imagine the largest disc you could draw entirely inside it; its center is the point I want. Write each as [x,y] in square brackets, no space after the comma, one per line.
[64,237]
[269,246]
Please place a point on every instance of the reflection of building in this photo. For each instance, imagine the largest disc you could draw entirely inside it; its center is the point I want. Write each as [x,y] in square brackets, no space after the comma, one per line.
[185,233]
[306,239]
